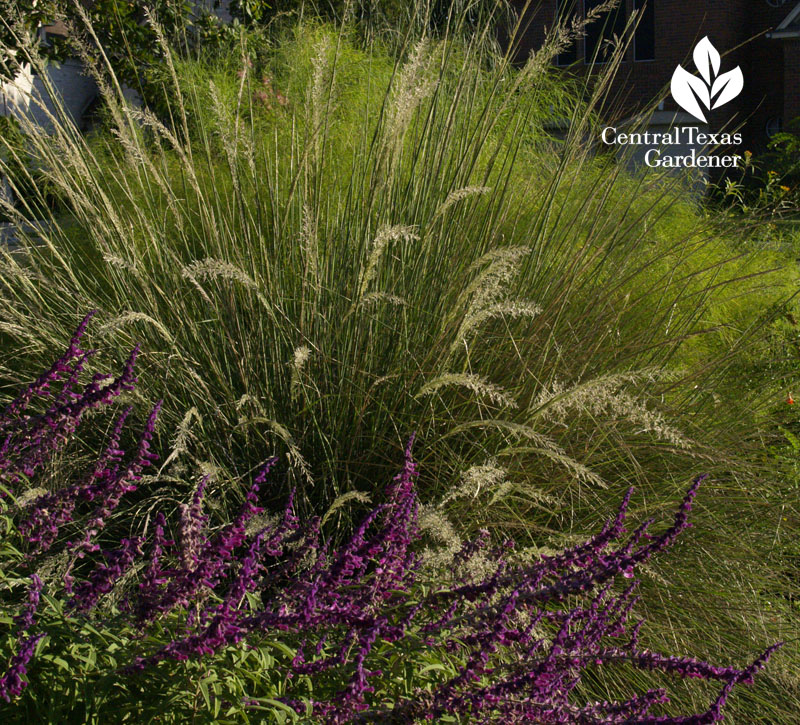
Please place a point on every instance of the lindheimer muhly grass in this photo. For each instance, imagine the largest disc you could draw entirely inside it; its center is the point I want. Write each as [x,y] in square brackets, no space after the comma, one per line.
[403,245]
[350,224]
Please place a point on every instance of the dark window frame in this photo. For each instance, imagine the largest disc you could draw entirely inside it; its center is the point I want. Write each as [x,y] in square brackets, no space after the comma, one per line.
[649,10]
[578,52]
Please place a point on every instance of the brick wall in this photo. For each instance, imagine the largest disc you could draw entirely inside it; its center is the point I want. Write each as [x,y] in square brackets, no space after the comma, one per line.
[737,28]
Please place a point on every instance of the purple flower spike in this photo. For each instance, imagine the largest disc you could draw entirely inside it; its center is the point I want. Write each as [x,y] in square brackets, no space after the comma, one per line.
[25,620]
[11,683]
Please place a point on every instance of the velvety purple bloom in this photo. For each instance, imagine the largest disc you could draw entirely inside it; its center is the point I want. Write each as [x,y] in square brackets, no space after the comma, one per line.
[11,683]
[101,580]
[24,620]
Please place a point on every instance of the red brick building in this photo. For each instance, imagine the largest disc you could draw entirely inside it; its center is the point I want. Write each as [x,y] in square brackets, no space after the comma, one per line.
[760,36]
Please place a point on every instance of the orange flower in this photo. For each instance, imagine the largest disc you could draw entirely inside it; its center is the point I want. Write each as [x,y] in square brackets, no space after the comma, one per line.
[790,399]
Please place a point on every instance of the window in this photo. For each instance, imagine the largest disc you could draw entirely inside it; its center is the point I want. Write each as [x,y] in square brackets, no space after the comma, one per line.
[644,38]
[774,125]
[566,12]
[602,29]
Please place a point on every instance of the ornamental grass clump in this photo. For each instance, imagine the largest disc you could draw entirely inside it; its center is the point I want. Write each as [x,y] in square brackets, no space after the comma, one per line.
[167,618]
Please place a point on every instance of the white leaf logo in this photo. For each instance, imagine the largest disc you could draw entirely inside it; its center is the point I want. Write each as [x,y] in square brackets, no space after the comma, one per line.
[711,89]
[683,83]
[706,59]
[728,85]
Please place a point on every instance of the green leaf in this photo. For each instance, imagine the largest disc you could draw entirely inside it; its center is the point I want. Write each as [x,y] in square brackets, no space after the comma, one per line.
[438,667]
[61,662]
[204,691]
[279,646]
[276,704]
